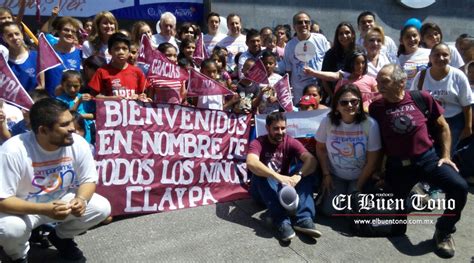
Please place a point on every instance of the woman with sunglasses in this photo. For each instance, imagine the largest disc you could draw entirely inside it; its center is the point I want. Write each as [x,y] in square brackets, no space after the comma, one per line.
[67,28]
[187,30]
[348,147]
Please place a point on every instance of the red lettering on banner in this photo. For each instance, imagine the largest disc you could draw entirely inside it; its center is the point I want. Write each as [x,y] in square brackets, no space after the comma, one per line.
[160,157]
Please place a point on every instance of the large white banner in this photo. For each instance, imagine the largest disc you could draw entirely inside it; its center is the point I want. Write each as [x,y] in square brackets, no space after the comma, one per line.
[300,124]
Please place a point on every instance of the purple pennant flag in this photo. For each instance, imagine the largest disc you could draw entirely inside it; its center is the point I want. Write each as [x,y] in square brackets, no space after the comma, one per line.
[257,73]
[201,85]
[199,53]
[157,64]
[47,57]
[11,89]
[282,89]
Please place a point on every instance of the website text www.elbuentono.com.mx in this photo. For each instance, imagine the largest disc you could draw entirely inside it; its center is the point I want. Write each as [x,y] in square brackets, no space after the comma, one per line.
[377,221]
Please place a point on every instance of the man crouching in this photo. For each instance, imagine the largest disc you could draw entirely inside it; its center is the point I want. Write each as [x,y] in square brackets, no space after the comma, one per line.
[48,175]
[269,160]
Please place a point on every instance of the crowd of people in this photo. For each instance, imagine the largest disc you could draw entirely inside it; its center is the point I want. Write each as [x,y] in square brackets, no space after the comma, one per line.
[370,86]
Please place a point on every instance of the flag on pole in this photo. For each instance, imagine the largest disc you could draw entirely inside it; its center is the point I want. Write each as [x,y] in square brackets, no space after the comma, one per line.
[38,11]
[157,65]
[282,90]
[145,51]
[47,57]
[200,53]
[201,85]
[11,89]
[257,73]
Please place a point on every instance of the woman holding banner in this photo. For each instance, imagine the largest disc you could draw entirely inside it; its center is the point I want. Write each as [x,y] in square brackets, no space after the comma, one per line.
[348,147]
[21,60]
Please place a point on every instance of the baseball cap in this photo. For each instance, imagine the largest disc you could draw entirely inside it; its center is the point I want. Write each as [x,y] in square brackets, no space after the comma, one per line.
[308,100]
[413,22]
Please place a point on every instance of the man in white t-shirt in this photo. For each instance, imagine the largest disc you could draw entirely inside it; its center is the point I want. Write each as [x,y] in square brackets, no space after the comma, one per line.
[213,36]
[234,42]
[48,175]
[167,30]
[365,21]
[295,67]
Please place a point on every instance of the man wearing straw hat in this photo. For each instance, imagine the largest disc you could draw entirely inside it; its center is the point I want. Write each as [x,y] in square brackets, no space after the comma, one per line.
[269,159]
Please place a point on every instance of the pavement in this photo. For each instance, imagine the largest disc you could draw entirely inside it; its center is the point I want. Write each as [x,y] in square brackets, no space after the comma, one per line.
[240,231]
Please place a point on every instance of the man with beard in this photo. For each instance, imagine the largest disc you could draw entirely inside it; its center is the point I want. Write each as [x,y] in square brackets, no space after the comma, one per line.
[48,175]
[269,159]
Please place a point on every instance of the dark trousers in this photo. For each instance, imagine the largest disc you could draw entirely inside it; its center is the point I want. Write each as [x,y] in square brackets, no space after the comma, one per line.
[402,175]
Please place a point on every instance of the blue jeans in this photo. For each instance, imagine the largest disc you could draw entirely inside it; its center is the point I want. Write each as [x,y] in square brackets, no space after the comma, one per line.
[265,190]
[401,176]
[456,125]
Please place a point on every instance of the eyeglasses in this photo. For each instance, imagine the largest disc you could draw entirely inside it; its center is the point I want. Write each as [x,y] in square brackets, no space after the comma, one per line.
[68,30]
[189,32]
[302,22]
[353,102]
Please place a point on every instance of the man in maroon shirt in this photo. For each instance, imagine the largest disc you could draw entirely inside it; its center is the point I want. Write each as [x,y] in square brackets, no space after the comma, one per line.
[410,154]
[269,160]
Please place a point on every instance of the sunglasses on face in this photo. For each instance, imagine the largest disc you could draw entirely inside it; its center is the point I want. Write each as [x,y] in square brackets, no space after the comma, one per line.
[302,22]
[353,102]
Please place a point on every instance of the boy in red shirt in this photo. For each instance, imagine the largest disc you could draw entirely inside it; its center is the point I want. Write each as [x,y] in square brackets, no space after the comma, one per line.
[119,79]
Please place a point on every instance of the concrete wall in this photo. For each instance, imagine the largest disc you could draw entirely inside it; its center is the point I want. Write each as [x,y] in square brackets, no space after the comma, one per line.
[453,16]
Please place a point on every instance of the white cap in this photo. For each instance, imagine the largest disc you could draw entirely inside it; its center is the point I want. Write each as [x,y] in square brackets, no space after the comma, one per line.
[288,197]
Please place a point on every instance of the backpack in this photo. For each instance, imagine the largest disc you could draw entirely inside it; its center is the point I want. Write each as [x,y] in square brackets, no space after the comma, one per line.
[420,103]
